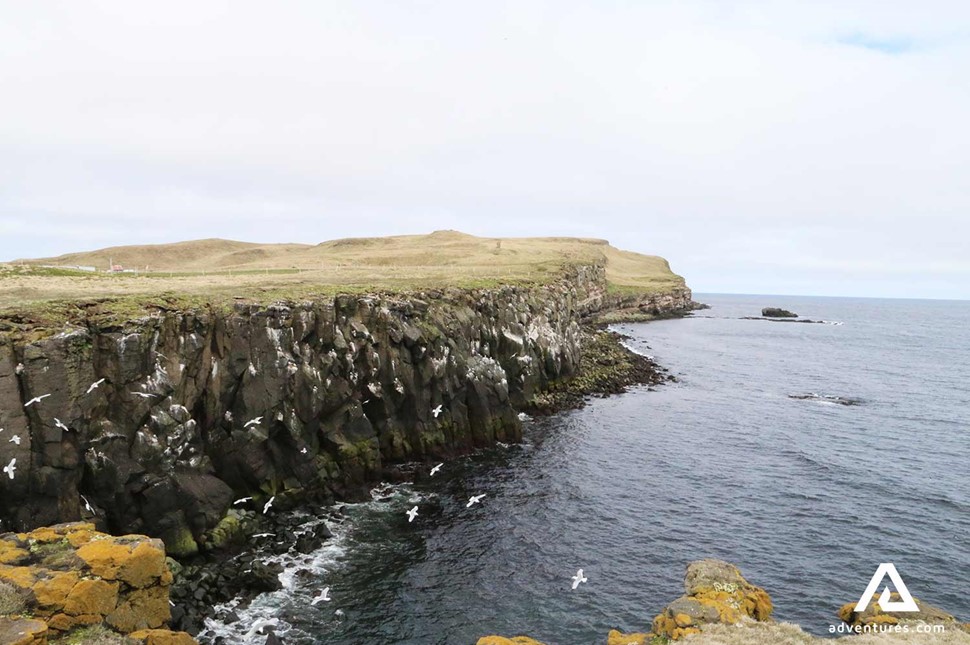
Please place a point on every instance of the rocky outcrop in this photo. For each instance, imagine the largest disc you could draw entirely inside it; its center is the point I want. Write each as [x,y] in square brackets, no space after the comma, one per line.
[71,577]
[715,592]
[155,425]
[777,312]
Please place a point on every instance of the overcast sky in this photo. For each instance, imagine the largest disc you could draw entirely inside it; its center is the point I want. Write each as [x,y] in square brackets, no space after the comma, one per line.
[795,147]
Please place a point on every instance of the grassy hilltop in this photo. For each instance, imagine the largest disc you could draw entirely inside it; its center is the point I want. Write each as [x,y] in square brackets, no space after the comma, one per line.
[216,270]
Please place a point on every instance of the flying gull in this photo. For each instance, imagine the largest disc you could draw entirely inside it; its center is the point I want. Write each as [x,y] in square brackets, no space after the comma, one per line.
[474,499]
[413,513]
[36,399]
[435,470]
[323,596]
[95,386]
[579,577]
[9,468]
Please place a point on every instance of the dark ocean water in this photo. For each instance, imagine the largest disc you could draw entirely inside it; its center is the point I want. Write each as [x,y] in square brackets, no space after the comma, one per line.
[806,496]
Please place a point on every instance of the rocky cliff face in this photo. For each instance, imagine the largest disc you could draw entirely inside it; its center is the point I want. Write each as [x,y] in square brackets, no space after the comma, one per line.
[156,425]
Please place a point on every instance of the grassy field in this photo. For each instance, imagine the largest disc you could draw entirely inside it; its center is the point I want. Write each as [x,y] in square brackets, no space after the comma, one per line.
[221,271]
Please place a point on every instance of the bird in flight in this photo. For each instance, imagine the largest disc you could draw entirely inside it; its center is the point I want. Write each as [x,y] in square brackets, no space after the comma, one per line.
[253,422]
[262,535]
[474,499]
[322,596]
[259,625]
[87,504]
[268,504]
[144,395]
[579,577]
[15,439]
[9,468]
[436,411]
[95,386]
[36,399]
[241,500]
[60,424]
[435,470]
[413,513]
[303,450]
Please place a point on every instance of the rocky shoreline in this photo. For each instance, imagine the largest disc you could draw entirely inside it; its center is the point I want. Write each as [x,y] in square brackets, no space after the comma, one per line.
[203,427]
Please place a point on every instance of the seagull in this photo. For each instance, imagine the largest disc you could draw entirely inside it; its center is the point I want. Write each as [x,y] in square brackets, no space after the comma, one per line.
[60,424]
[474,499]
[413,513]
[15,439]
[435,470]
[241,500]
[253,422]
[268,504]
[95,386]
[259,624]
[262,535]
[144,395]
[36,399]
[9,468]
[19,369]
[579,577]
[323,596]
[436,411]
[303,450]
[87,504]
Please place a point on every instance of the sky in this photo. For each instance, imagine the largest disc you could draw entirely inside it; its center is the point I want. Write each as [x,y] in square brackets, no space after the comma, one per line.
[777,146]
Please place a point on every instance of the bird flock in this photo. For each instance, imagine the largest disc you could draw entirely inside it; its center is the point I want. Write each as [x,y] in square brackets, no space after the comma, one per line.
[323,594]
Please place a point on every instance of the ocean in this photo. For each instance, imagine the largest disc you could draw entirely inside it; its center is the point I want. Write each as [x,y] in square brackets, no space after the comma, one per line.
[806,495]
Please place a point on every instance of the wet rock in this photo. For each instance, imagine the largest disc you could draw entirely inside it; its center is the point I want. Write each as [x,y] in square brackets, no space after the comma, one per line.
[777,312]
[501,640]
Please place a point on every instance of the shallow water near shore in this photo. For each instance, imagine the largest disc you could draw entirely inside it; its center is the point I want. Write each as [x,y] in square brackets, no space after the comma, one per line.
[806,496]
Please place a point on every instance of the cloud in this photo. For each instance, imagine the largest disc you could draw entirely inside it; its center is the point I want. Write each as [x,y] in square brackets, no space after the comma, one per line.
[723,135]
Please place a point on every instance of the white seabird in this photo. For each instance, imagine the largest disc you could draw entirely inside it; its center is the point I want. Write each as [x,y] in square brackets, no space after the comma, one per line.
[579,577]
[9,468]
[413,513]
[435,470]
[36,399]
[322,596]
[95,386]
[474,499]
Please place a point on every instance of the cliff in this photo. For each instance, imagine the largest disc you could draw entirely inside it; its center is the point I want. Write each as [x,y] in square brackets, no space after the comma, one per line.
[155,423]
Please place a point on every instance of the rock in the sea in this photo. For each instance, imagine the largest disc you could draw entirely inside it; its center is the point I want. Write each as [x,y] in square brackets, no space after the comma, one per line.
[716,592]
[501,640]
[777,312]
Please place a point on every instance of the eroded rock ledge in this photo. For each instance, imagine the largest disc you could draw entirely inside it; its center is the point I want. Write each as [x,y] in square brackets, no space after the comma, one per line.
[720,607]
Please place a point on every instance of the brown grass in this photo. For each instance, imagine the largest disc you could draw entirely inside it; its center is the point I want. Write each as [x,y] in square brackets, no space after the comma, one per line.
[219,270]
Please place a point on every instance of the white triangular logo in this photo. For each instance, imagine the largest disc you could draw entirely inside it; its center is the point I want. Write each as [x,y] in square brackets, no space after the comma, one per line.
[887,569]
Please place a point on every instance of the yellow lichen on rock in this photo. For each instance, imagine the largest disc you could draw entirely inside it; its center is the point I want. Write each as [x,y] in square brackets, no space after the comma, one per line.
[52,588]
[716,592]
[501,640]
[617,637]
[92,597]
[162,637]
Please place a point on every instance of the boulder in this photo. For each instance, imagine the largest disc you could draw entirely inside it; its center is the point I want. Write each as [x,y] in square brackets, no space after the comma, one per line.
[777,312]
[715,592]
[162,637]
[501,640]
[23,631]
